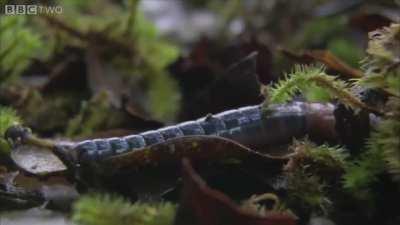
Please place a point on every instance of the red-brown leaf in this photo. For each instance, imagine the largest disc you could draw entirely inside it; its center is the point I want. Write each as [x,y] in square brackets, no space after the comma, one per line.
[201,205]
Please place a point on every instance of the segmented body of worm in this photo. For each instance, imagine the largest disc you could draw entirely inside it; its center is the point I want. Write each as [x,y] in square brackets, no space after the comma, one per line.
[249,126]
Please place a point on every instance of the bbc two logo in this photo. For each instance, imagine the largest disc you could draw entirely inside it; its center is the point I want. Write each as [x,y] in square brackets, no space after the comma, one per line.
[31,9]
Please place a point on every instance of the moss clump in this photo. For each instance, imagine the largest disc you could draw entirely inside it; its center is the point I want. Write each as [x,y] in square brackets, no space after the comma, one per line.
[143,54]
[297,80]
[157,54]
[322,156]
[307,193]
[381,66]
[8,117]
[107,210]
[347,50]
[309,78]
[19,45]
[96,114]
[310,172]
[382,154]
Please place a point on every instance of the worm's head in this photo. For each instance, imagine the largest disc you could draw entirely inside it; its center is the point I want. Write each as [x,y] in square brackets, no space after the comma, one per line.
[17,134]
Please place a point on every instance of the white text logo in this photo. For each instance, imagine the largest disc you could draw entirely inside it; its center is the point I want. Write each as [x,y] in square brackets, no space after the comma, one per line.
[31,9]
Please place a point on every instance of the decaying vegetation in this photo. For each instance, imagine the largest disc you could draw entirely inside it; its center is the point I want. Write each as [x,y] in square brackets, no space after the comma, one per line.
[102,69]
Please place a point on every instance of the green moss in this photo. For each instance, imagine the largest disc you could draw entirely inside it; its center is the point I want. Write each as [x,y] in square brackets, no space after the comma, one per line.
[383,150]
[94,115]
[107,210]
[297,80]
[319,31]
[381,65]
[53,113]
[118,23]
[304,79]
[163,91]
[346,50]
[318,159]
[364,172]
[384,44]
[19,45]
[307,192]
[151,53]
[314,93]
[164,98]
[380,158]
[327,156]
[310,171]
[382,155]
[8,117]
[387,140]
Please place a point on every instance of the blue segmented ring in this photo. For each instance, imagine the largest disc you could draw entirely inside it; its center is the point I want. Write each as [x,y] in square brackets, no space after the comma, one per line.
[246,125]
[135,141]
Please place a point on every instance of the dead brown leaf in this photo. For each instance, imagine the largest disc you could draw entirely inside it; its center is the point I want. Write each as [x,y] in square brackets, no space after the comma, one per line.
[197,148]
[201,205]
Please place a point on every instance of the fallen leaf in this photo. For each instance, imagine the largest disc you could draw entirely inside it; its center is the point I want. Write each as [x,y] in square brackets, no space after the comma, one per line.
[214,79]
[201,205]
[325,57]
[368,22]
[197,148]
[148,173]
[36,160]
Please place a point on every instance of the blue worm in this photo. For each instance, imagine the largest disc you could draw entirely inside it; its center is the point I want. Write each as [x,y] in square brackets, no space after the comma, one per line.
[249,126]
